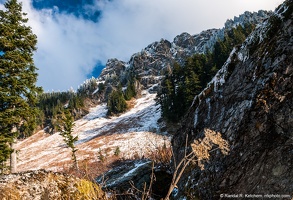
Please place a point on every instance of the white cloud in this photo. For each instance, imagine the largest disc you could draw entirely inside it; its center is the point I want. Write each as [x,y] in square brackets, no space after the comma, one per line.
[69,47]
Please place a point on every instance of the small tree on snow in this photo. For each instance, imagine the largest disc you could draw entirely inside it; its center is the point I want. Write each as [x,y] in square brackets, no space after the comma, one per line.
[66,128]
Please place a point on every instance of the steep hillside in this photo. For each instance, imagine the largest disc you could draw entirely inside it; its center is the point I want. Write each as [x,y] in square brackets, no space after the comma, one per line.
[249,102]
[134,133]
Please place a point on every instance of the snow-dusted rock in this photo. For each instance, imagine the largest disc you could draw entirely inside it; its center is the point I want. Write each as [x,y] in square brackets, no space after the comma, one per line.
[249,102]
[152,62]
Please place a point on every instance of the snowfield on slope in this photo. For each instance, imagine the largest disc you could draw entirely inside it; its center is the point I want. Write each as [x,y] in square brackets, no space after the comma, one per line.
[134,133]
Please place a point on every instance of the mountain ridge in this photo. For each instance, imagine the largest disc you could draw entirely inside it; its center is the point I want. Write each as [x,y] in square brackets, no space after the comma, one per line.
[153,61]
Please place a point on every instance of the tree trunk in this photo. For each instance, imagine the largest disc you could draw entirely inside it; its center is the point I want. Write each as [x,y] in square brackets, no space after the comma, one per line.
[13,159]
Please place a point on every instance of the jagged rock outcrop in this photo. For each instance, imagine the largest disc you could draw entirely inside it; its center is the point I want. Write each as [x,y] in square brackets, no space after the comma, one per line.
[114,68]
[245,17]
[156,59]
[250,101]
[41,184]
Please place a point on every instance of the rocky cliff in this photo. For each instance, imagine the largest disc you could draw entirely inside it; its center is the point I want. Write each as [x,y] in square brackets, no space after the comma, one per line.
[151,63]
[250,102]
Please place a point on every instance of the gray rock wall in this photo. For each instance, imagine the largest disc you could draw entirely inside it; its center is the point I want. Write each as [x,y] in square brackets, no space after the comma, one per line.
[250,101]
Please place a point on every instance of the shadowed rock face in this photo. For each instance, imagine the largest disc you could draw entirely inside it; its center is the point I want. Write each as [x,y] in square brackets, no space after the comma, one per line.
[132,176]
[250,101]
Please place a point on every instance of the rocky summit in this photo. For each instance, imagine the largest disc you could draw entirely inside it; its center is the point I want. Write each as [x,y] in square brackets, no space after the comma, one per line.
[250,102]
[152,62]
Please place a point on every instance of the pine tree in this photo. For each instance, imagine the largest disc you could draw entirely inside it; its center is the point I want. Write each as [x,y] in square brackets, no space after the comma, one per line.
[116,102]
[182,83]
[171,97]
[130,90]
[18,90]
[66,128]
[5,151]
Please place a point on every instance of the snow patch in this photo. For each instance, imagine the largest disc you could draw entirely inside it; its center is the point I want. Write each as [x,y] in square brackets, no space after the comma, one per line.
[220,78]
[195,117]
[208,102]
[133,132]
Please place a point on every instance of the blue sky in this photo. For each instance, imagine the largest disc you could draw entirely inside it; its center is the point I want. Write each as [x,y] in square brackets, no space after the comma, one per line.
[77,37]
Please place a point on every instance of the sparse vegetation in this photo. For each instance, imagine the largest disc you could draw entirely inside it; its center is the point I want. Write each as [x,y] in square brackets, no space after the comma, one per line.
[200,153]
[101,156]
[87,190]
[10,193]
[50,186]
[52,104]
[66,128]
[117,151]
[162,155]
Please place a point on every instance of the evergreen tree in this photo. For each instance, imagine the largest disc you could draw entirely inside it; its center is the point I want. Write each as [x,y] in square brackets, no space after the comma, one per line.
[18,90]
[221,52]
[130,90]
[53,103]
[5,151]
[182,83]
[171,97]
[66,125]
[116,102]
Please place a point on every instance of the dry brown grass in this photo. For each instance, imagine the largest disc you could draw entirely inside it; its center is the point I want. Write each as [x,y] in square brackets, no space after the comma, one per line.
[89,191]
[9,192]
[162,155]
[90,169]
[131,103]
[86,169]
[32,139]
[201,150]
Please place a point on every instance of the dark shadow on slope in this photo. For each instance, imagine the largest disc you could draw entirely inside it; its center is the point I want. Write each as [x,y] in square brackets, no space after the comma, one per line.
[128,173]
